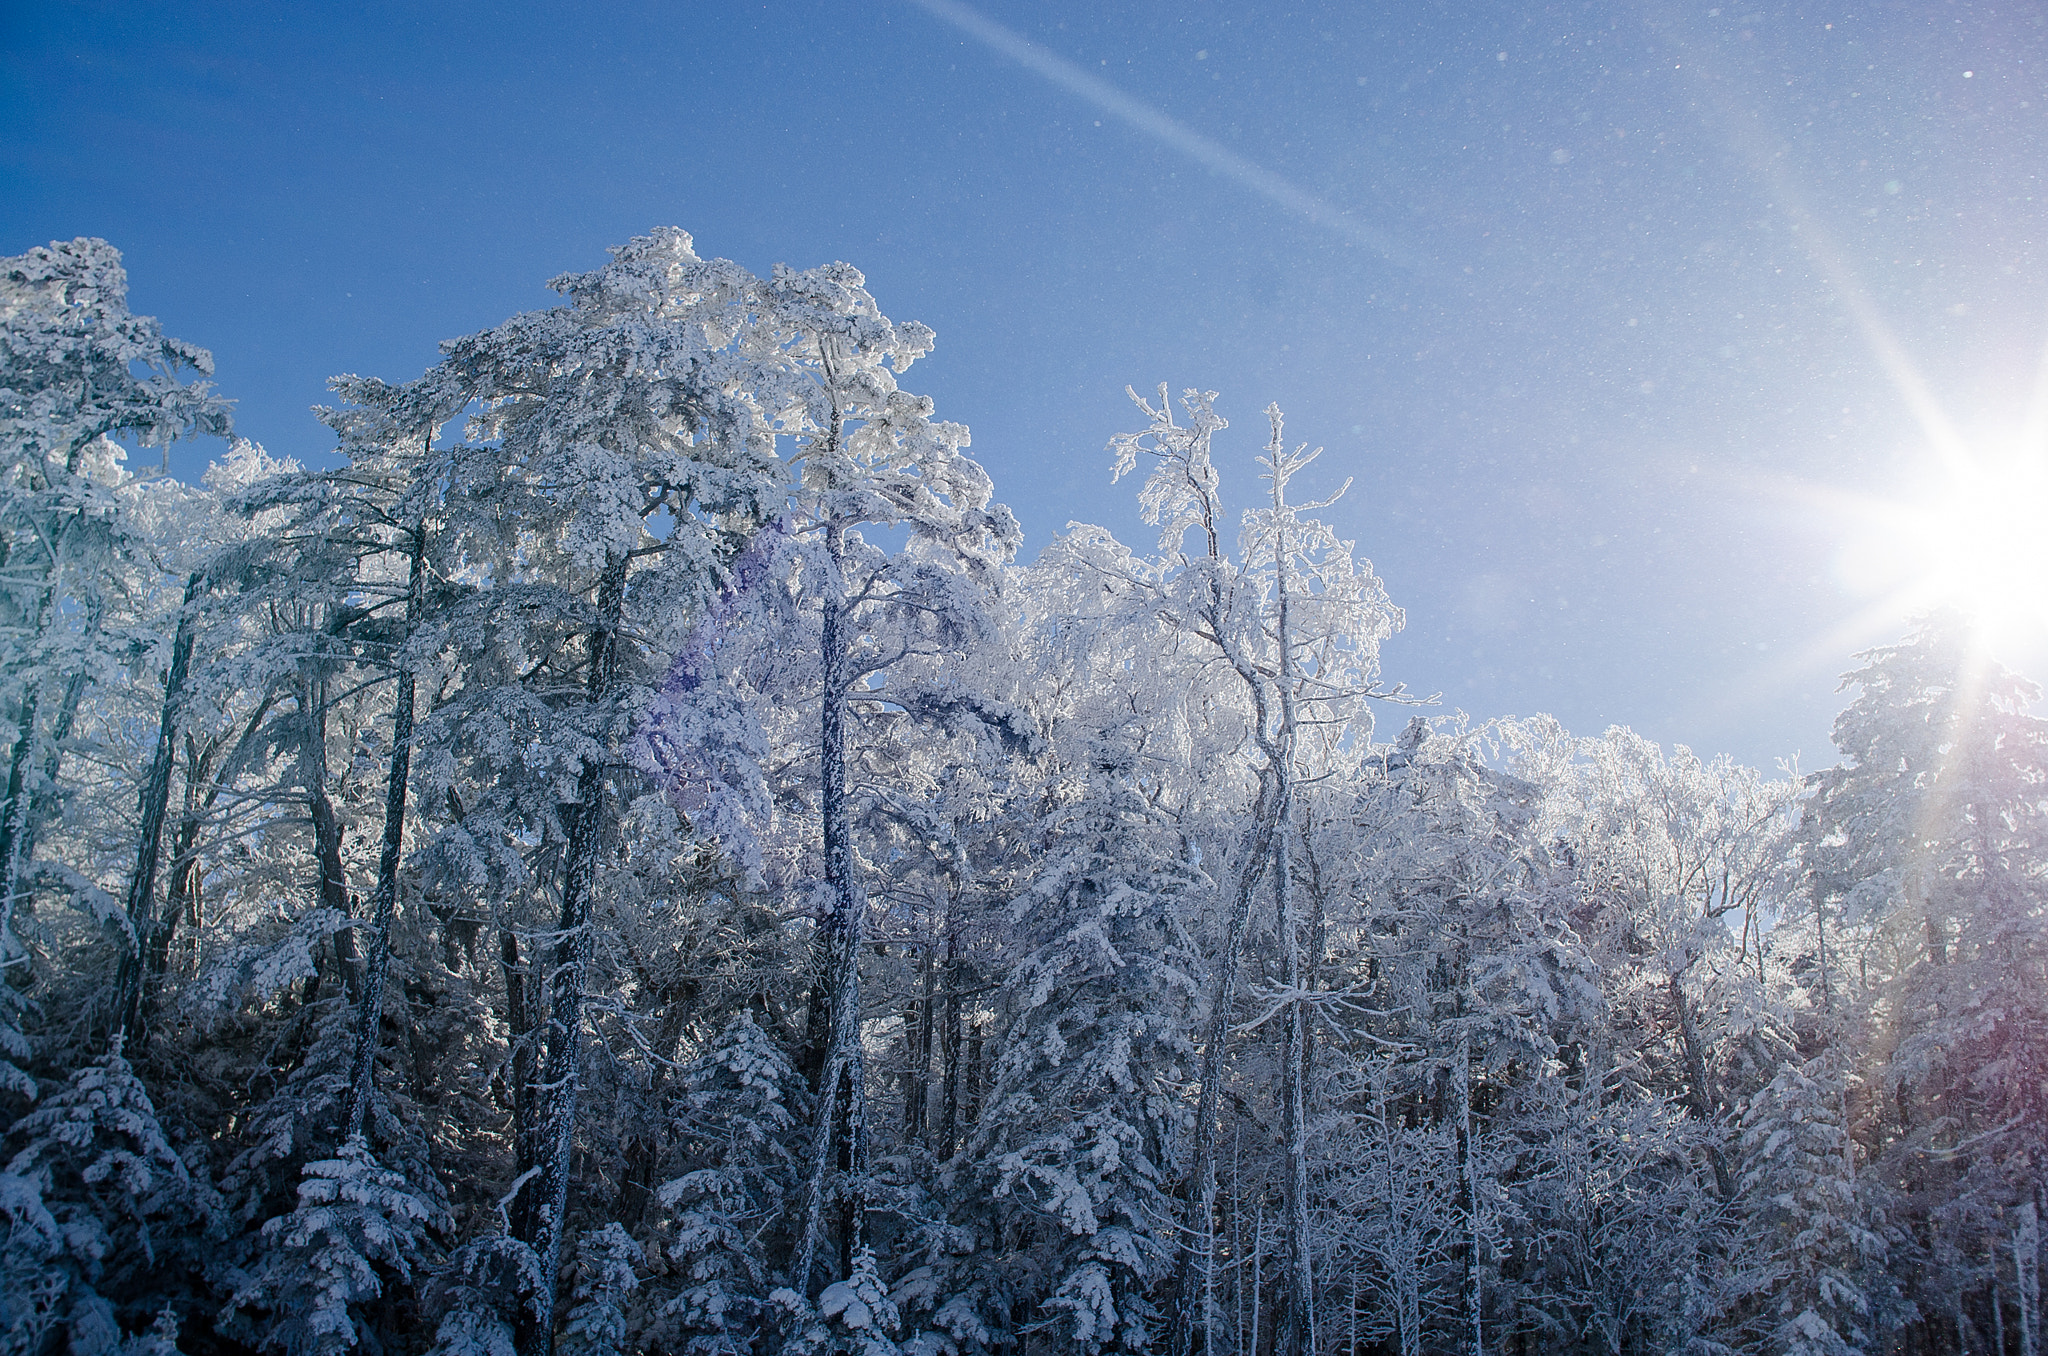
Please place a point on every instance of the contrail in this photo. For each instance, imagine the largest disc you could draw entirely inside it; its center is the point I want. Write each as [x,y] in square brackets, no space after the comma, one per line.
[1157,125]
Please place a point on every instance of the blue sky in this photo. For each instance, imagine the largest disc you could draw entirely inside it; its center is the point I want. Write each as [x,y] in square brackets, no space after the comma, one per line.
[1593,309]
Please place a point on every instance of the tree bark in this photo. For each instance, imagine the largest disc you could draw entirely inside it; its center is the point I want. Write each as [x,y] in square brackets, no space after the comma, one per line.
[2026,1262]
[562,1036]
[1468,1199]
[1299,1338]
[28,805]
[842,926]
[1193,1275]
[156,799]
[383,903]
[1700,1098]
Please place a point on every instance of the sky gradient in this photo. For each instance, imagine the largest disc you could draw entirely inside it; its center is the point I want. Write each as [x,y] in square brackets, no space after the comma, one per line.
[1608,309]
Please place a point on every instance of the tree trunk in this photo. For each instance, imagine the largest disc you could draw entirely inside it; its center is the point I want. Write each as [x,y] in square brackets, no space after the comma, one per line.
[1299,1337]
[1701,1097]
[156,800]
[952,1041]
[332,890]
[917,1091]
[1193,1275]
[14,815]
[15,812]
[1468,1198]
[522,1024]
[28,806]
[2026,1263]
[375,964]
[842,927]
[562,1036]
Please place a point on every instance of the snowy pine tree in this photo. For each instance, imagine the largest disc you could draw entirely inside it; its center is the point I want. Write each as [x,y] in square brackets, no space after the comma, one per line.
[737,1127]
[359,1234]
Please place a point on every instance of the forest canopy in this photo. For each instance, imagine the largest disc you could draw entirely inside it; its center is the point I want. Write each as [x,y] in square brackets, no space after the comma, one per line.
[628,859]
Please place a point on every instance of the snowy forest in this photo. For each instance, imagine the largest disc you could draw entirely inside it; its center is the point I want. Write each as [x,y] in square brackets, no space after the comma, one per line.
[627,859]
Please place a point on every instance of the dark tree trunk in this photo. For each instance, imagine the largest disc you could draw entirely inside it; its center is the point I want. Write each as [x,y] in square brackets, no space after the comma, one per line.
[14,815]
[1192,1278]
[555,1095]
[1299,1336]
[382,904]
[952,1042]
[522,1025]
[29,806]
[1700,1097]
[156,799]
[841,1065]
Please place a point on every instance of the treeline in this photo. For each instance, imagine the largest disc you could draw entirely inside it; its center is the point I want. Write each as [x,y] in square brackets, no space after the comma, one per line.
[627,861]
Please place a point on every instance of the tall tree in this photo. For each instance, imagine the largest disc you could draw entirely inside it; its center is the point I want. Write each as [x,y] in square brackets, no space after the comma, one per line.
[76,368]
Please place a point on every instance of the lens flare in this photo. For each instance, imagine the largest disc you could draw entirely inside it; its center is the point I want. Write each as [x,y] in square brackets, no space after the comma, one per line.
[1976,542]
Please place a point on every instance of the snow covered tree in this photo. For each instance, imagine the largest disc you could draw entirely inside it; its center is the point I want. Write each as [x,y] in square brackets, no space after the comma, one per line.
[1299,621]
[611,468]
[1931,925]
[357,1235]
[1076,1152]
[104,1215]
[76,368]
[738,1121]
[871,455]
[606,1262]
[1808,1216]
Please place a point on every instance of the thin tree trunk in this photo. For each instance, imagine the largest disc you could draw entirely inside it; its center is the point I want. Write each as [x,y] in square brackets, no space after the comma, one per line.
[562,1037]
[328,832]
[1258,1260]
[1196,1261]
[1301,1314]
[917,1093]
[1468,1193]
[156,800]
[2026,1263]
[843,927]
[1701,1096]
[15,812]
[383,903]
[1300,1335]
[48,793]
[522,1023]
[185,902]
[29,805]
[952,1042]
[14,820]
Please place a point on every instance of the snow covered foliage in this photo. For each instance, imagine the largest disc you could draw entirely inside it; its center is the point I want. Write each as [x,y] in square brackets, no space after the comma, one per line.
[102,1212]
[357,1235]
[606,1275]
[1076,1153]
[486,1294]
[624,861]
[735,1153]
[76,369]
[853,1316]
[1811,1214]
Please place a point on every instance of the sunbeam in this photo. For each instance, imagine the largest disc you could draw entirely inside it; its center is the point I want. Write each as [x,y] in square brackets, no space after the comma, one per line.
[1166,130]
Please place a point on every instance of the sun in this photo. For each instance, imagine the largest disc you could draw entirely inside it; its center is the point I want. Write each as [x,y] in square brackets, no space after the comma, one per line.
[1975,540]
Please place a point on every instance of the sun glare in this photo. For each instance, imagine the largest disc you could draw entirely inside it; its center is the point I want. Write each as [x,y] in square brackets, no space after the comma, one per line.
[1977,543]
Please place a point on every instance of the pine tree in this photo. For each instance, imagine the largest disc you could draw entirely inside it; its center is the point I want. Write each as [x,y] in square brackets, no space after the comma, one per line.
[1808,1216]
[598,1322]
[358,1234]
[736,1129]
[1077,1150]
[101,1204]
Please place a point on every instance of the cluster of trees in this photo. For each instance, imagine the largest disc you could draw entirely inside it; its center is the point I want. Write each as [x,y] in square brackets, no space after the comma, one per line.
[628,862]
